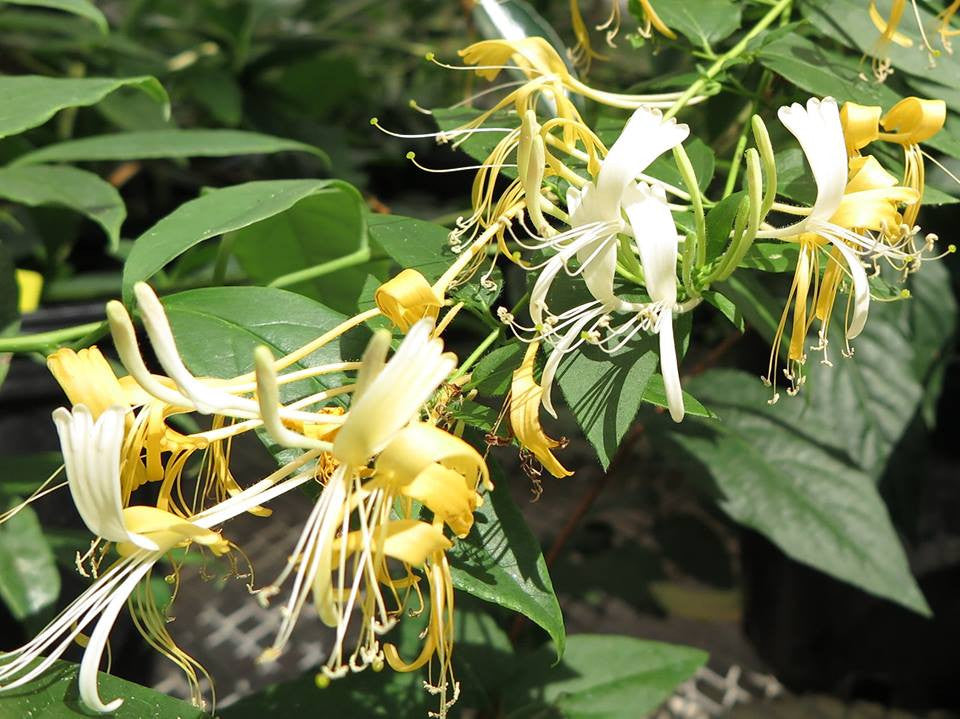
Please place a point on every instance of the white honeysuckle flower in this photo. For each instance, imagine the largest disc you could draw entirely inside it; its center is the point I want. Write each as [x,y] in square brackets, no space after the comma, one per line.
[596,211]
[390,395]
[820,133]
[596,220]
[657,241]
[92,456]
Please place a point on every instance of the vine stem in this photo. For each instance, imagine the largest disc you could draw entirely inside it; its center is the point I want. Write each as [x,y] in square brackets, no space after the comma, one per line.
[44,340]
[730,54]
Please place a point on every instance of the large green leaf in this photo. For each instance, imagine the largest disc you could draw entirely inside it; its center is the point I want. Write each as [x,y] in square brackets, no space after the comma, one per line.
[218,328]
[150,144]
[605,392]
[413,243]
[704,22]
[54,695]
[31,100]
[601,677]
[77,7]
[29,579]
[817,506]
[500,562]
[215,213]
[9,305]
[69,187]
[321,228]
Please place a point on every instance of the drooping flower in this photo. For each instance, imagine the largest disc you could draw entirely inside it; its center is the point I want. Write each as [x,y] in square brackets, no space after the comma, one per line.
[856,206]
[142,534]
[408,298]
[599,216]
[525,396]
[364,516]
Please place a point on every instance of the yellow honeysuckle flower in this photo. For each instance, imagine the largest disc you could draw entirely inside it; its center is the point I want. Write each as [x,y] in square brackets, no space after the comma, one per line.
[30,286]
[908,123]
[525,395]
[889,32]
[408,298]
[857,205]
[946,32]
[371,506]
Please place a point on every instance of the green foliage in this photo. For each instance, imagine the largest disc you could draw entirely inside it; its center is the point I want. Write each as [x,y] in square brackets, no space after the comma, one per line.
[500,562]
[29,580]
[54,695]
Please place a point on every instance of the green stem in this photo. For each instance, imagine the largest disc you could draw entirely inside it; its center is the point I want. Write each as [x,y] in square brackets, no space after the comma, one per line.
[765,79]
[730,54]
[477,353]
[223,257]
[325,268]
[45,340]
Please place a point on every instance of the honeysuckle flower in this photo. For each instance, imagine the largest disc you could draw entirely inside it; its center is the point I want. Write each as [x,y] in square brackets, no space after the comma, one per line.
[525,395]
[888,27]
[412,461]
[143,534]
[29,288]
[856,205]
[599,215]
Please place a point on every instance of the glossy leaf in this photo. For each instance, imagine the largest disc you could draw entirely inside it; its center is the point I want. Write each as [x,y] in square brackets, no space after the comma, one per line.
[218,328]
[605,392]
[152,144]
[413,243]
[213,214]
[29,578]
[54,695]
[601,677]
[703,22]
[82,8]
[31,100]
[317,231]
[69,187]
[500,562]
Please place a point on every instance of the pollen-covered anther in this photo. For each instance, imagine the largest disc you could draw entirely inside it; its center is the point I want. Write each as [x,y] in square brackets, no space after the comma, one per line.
[505,316]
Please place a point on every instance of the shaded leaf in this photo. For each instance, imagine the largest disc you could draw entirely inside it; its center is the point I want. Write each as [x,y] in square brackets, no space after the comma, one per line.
[69,187]
[31,100]
[29,579]
[81,8]
[500,562]
[151,144]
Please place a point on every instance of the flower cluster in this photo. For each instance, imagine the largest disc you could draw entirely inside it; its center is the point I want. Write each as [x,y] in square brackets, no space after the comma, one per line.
[396,490]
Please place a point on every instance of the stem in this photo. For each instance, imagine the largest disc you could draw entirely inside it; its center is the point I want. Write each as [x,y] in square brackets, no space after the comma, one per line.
[223,257]
[765,79]
[476,354]
[44,340]
[357,257]
[730,54]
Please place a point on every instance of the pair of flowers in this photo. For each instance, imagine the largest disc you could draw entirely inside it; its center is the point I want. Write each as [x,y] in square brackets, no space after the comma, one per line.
[396,490]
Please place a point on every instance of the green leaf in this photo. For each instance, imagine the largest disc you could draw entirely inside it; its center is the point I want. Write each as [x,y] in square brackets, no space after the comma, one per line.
[771,257]
[218,328]
[151,144]
[720,221]
[24,473]
[69,187]
[774,477]
[319,230]
[494,373]
[77,7]
[213,214]
[54,695]
[655,393]
[848,22]
[823,72]
[601,677]
[29,578]
[704,22]
[413,243]
[500,562]
[605,391]
[31,100]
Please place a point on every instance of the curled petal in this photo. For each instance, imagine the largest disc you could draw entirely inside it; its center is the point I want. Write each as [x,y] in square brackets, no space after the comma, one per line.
[914,120]
[525,396]
[407,299]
